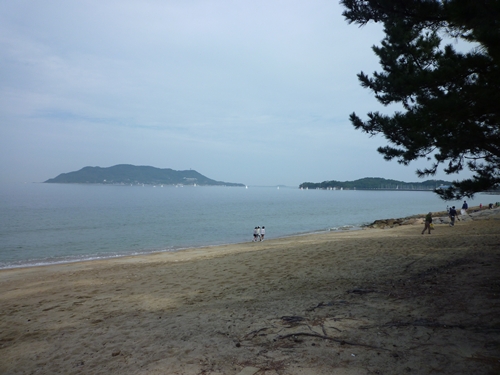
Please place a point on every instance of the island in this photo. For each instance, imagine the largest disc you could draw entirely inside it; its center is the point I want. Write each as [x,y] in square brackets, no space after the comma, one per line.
[126,174]
[376,183]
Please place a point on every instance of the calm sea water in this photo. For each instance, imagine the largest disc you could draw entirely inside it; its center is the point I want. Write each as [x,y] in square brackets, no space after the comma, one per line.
[51,223]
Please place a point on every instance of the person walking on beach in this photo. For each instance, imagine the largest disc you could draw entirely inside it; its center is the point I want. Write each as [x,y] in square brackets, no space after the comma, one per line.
[465,206]
[262,233]
[453,214]
[255,234]
[258,234]
[428,222]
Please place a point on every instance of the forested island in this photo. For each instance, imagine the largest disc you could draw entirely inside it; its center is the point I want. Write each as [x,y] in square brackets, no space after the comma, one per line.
[126,174]
[375,183]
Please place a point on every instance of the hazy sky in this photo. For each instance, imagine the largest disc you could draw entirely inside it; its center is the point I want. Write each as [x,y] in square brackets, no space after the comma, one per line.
[250,91]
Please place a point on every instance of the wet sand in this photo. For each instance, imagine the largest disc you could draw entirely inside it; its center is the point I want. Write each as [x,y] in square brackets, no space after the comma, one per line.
[374,301]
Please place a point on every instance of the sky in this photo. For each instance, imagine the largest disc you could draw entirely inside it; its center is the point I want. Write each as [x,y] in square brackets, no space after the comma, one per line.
[256,92]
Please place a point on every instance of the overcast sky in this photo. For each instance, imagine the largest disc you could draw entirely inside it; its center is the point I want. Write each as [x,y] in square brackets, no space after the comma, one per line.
[250,91]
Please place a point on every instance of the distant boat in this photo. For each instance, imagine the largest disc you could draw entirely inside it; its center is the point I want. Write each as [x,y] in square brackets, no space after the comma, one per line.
[278,187]
[246,187]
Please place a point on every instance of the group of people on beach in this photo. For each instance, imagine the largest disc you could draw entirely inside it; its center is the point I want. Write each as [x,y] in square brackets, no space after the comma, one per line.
[452,214]
[259,233]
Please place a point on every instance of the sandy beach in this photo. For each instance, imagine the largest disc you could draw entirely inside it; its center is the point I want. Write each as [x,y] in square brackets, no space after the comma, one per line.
[373,301]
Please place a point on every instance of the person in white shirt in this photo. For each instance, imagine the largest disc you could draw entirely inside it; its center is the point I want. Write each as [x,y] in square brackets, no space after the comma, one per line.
[262,233]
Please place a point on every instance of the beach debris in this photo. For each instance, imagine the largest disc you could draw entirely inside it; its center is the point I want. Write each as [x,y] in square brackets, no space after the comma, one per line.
[249,371]
[340,341]
[115,353]
[292,319]
[328,304]
[361,291]
[254,333]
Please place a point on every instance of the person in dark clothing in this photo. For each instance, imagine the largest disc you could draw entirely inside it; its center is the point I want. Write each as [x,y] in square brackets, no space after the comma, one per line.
[453,215]
[428,222]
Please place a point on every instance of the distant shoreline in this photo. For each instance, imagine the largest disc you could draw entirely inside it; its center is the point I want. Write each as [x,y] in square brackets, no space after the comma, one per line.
[371,189]
[136,175]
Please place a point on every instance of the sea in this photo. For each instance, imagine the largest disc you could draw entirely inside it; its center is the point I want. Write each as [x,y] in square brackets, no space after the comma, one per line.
[43,224]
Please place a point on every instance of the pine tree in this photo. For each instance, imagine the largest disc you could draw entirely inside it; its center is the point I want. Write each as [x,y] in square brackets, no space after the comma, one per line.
[450,100]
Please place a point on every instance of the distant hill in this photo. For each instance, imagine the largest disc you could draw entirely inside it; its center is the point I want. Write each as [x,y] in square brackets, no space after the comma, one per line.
[130,174]
[375,183]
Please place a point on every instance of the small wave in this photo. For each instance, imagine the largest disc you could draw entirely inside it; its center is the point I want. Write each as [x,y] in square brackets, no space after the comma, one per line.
[75,259]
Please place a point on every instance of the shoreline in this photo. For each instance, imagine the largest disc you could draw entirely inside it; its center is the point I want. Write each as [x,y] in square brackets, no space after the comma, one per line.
[377,224]
[127,231]
[355,302]
[104,257]
[153,253]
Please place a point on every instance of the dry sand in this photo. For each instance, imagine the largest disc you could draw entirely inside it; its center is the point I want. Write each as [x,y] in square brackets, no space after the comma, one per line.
[373,301]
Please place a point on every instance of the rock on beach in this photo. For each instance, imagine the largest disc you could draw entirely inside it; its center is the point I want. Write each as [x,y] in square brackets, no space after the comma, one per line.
[441,217]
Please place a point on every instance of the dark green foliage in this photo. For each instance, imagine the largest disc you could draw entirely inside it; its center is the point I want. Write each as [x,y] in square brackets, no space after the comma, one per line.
[131,174]
[450,99]
[375,183]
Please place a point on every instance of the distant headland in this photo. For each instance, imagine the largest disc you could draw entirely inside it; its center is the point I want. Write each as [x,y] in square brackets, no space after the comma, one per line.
[376,183]
[126,174]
